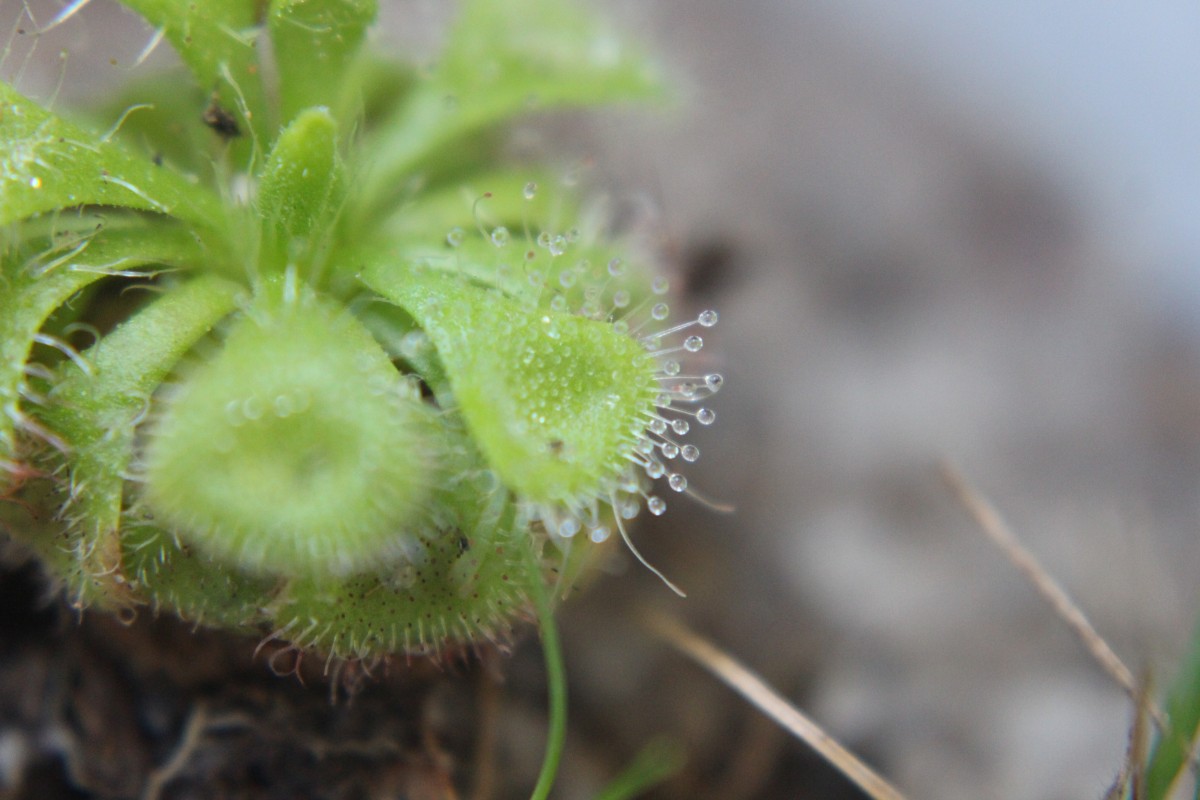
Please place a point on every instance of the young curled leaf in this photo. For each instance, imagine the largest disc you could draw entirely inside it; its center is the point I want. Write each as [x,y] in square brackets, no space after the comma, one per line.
[303,176]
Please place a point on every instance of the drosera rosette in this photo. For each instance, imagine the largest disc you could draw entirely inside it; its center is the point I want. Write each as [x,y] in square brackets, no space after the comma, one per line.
[296,351]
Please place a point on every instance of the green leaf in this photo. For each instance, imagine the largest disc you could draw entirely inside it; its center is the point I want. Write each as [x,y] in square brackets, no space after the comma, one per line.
[158,118]
[47,164]
[487,200]
[463,581]
[216,39]
[302,176]
[297,449]
[556,401]
[32,288]
[96,410]
[1170,752]
[315,42]
[173,577]
[504,60]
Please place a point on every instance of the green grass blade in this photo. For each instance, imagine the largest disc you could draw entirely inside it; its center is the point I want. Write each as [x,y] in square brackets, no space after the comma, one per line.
[657,761]
[1169,754]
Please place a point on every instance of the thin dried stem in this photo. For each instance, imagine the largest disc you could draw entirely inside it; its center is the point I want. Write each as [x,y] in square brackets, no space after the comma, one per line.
[991,523]
[771,703]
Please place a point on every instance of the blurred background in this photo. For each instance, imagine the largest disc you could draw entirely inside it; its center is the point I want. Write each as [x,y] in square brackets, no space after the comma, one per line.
[937,229]
[933,229]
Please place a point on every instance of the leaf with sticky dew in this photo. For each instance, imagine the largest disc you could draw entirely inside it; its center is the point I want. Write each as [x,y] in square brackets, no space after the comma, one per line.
[171,576]
[216,39]
[48,163]
[489,200]
[464,581]
[501,61]
[556,401]
[314,446]
[46,272]
[96,406]
[315,45]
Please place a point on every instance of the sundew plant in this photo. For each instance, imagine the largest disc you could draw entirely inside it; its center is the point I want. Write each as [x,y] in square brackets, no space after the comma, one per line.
[288,346]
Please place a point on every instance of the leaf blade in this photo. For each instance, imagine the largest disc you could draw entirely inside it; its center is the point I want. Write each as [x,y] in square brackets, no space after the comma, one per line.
[49,164]
[30,292]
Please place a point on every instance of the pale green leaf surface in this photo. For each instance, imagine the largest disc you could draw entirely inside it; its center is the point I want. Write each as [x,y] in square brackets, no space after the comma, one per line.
[315,44]
[160,119]
[504,60]
[217,41]
[47,164]
[432,213]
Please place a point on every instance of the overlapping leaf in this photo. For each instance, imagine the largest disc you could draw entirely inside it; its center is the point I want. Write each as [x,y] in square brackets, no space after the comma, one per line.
[47,164]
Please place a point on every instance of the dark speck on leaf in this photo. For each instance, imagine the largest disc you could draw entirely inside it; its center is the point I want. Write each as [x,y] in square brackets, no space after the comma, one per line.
[221,120]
